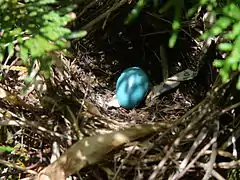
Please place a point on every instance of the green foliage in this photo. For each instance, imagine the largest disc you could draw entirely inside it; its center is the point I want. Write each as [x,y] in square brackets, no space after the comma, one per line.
[228,27]
[136,11]
[30,29]
[233,174]
[177,5]
[6,149]
[36,27]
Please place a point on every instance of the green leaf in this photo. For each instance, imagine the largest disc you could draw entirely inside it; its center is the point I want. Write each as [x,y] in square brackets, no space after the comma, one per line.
[203,2]
[1,57]
[238,83]
[216,30]
[42,2]
[32,14]
[205,35]
[15,32]
[78,34]
[33,47]
[218,63]
[232,11]
[231,35]
[6,149]
[135,11]
[46,62]
[132,16]
[50,33]
[42,26]
[221,24]
[176,24]
[53,32]
[52,16]
[234,66]
[11,49]
[173,40]
[62,44]
[44,45]
[28,80]
[24,54]
[225,46]
[224,74]
[192,10]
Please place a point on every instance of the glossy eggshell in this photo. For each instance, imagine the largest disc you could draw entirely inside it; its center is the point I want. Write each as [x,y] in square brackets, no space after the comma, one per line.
[131,87]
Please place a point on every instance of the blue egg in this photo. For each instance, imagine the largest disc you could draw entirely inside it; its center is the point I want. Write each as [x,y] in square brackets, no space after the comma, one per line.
[132,86]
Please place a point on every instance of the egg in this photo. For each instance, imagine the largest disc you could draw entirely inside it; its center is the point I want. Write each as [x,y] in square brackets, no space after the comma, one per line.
[131,88]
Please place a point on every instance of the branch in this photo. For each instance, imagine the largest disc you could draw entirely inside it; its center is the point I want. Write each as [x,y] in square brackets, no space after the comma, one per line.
[91,150]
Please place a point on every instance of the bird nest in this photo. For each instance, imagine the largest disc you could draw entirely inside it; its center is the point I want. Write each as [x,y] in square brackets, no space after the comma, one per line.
[181,135]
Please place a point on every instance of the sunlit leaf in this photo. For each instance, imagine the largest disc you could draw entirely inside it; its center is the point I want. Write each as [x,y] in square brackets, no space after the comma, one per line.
[28,80]
[176,25]
[1,57]
[232,10]
[234,33]
[173,40]
[11,49]
[223,22]
[62,44]
[47,2]
[24,54]
[238,83]
[224,74]
[6,149]
[78,34]
[218,63]
[225,46]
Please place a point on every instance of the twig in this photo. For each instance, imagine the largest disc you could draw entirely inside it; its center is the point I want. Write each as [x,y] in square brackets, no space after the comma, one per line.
[169,22]
[92,149]
[230,139]
[16,41]
[55,149]
[184,119]
[35,125]
[196,143]
[230,108]
[123,162]
[6,163]
[229,165]
[100,17]
[106,19]
[214,152]
[214,173]
[75,123]
[196,158]
[11,65]
[170,151]
[164,62]
[221,153]
[86,8]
